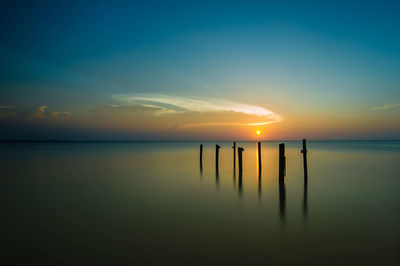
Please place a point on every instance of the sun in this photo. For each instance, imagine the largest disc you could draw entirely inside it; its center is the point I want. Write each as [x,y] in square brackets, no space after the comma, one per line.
[258,132]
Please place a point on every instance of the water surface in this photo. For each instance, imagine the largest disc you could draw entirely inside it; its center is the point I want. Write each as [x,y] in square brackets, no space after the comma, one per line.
[149,203]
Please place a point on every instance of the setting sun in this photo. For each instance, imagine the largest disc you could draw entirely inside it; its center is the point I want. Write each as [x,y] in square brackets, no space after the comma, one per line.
[258,132]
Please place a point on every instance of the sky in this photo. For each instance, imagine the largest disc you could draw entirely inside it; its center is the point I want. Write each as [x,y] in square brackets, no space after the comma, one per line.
[194,70]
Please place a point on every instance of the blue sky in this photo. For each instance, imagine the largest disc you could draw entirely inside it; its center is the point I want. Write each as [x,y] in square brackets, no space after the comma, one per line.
[330,62]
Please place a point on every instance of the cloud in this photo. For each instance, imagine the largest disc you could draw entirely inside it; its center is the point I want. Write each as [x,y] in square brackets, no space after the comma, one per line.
[61,114]
[385,107]
[177,105]
[5,111]
[39,112]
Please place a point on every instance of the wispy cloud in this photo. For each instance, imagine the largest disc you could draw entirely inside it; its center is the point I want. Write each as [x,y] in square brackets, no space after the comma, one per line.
[385,107]
[39,112]
[174,105]
[61,114]
[7,111]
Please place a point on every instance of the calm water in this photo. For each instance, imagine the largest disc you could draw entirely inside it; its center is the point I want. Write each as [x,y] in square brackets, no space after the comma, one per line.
[138,203]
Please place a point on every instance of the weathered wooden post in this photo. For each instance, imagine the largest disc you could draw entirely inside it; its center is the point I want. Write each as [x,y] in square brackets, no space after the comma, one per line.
[234,155]
[259,156]
[240,150]
[282,161]
[304,152]
[201,157]
[217,147]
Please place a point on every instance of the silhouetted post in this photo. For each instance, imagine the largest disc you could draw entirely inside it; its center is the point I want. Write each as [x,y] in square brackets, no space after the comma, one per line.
[217,147]
[240,150]
[282,161]
[234,162]
[234,155]
[259,156]
[304,152]
[201,157]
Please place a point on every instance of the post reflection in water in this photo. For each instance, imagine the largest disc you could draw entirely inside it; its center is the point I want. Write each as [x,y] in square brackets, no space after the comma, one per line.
[201,169]
[259,183]
[305,201]
[282,199]
[217,177]
[234,178]
[240,186]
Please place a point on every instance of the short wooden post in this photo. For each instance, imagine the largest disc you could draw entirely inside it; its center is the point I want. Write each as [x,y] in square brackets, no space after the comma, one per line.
[282,161]
[304,152]
[240,150]
[259,156]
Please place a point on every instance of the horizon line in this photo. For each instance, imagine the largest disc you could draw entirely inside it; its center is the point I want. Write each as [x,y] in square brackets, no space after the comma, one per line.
[195,140]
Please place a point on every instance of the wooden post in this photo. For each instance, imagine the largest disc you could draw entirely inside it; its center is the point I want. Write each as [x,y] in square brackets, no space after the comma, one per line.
[234,163]
[282,161]
[259,156]
[240,157]
[234,155]
[201,157]
[217,147]
[240,150]
[304,152]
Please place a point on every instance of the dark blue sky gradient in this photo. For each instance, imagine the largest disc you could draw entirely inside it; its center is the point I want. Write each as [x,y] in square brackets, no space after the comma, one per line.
[330,56]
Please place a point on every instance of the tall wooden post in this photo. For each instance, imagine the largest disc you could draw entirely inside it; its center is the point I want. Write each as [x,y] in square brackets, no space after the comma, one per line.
[282,161]
[240,157]
[259,156]
[217,147]
[234,155]
[201,157]
[304,152]
[240,150]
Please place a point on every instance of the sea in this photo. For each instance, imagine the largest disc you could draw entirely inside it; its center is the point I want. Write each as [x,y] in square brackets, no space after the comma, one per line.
[156,203]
